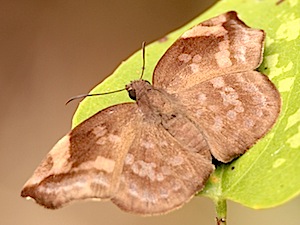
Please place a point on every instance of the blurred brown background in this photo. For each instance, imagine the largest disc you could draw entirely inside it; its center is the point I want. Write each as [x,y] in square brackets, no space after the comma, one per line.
[51,50]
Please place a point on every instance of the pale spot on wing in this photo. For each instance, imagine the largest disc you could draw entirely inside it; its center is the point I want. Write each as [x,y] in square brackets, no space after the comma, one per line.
[59,153]
[133,189]
[197,58]
[260,99]
[218,82]
[259,112]
[238,104]
[231,115]
[147,144]
[229,89]
[224,45]
[70,187]
[250,87]
[248,123]
[195,67]
[166,170]
[241,79]
[175,160]
[222,58]
[239,109]
[176,185]
[230,96]
[201,30]
[218,124]
[105,164]
[144,169]
[129,159]
[199,113]
[101,141]
[160,177]
[214,108]
[100,131]
[148,197]
[184,57]
[202,98]
[100,180]
[240,54]
[163,193]
[114,138]
[245,37]
[143,194]
[163,143]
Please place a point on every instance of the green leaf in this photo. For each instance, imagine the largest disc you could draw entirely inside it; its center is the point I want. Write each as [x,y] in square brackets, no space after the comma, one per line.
[269,173]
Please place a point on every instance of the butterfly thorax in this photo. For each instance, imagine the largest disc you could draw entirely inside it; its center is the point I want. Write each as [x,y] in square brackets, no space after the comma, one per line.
[163,109]
[152,102]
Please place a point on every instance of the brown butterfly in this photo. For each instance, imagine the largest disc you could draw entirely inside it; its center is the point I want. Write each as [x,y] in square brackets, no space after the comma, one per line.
[152,156]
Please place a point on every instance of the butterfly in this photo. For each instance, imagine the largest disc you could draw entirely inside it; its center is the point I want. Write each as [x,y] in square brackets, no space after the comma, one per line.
[151,156]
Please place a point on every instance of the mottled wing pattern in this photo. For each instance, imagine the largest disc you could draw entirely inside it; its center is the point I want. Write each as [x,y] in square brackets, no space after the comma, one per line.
[220,45]
[233,111]
[140,155]
[87,162]
[159,174]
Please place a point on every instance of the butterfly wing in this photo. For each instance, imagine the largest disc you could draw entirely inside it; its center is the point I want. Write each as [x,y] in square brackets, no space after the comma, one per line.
[88,161]
[240,105]
[233,111]
[117,155]
[159,174]
[220,45]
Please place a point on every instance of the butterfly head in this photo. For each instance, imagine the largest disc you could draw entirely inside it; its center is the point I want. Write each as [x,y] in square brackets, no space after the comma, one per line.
[137,87]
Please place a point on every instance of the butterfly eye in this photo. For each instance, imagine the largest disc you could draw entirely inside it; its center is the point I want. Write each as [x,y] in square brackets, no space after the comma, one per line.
[132,94]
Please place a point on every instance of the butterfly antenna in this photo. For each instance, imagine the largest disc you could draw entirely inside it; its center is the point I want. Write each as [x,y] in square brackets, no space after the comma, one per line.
[89,95]
[143,67]
[111,92]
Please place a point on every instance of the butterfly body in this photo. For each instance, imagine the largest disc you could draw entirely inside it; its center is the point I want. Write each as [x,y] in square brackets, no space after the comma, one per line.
[152,156]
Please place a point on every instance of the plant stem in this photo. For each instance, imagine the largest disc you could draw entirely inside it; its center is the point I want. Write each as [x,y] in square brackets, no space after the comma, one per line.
[221,210]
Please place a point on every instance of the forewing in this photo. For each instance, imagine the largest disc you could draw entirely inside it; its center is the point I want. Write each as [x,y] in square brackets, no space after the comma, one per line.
[220,45]
[233,111]
[159,174]
[88,161]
